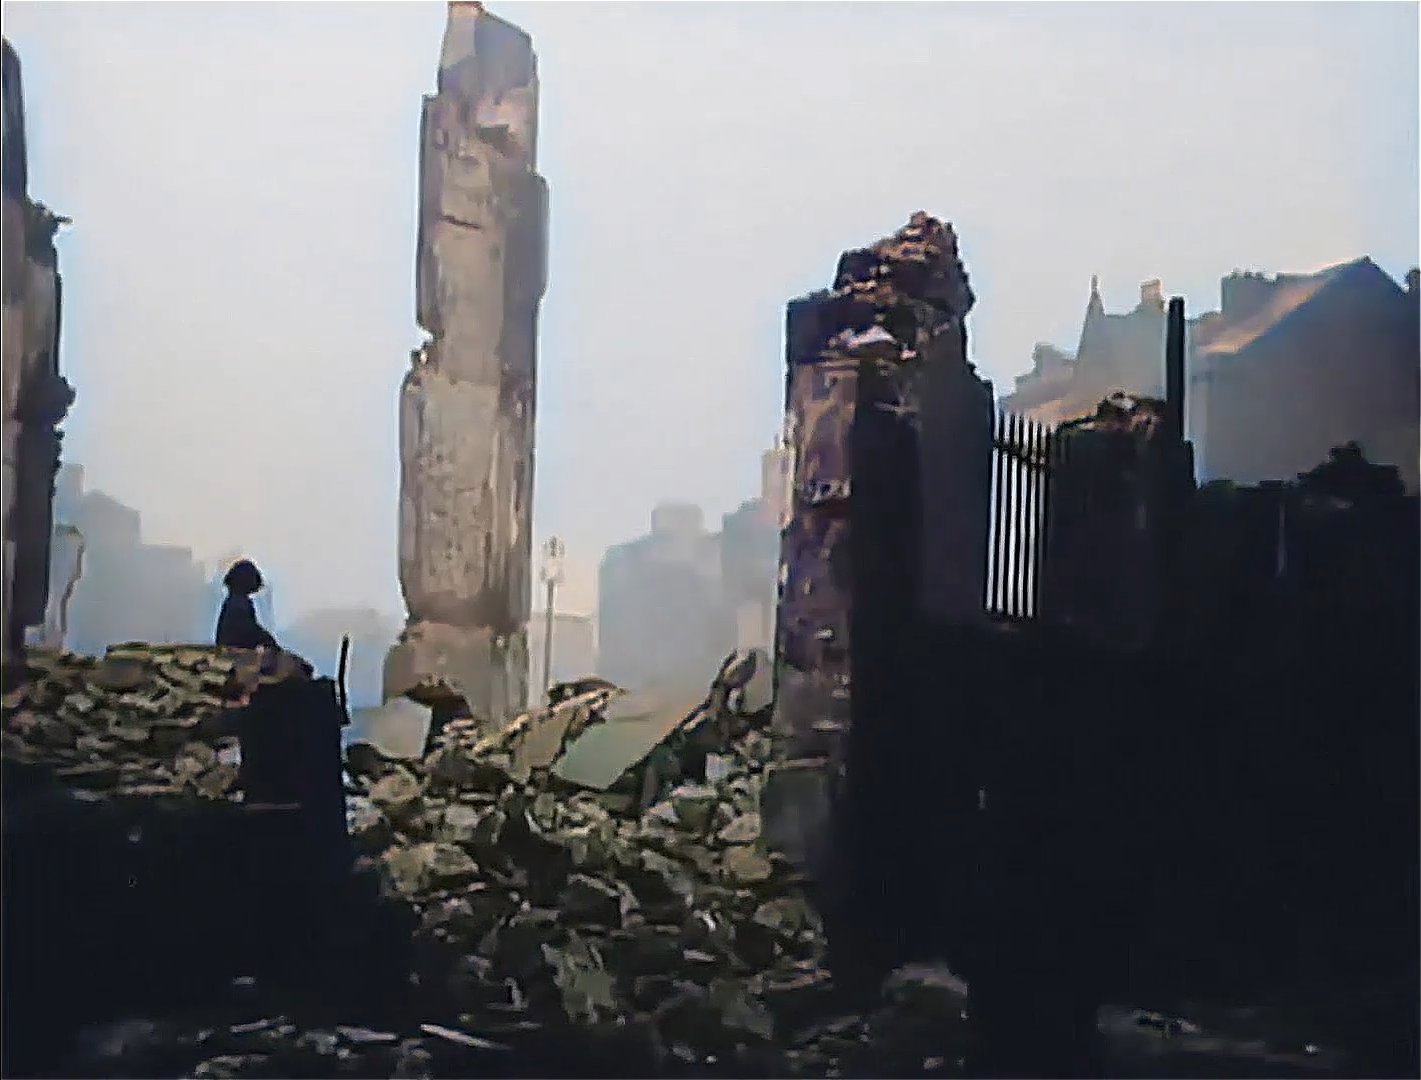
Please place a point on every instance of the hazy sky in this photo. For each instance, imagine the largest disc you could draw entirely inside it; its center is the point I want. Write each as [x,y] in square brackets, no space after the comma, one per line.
[239,283]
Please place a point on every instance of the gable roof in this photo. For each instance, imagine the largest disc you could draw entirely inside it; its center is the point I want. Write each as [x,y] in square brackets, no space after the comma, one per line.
[1291,294]
[1111,338]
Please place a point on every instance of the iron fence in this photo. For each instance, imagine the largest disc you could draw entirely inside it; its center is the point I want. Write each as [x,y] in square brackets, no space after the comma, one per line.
[1024,452]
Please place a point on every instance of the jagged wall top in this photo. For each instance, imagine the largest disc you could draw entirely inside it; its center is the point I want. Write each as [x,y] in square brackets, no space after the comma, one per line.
[919,261]
[902,297]
[489,63]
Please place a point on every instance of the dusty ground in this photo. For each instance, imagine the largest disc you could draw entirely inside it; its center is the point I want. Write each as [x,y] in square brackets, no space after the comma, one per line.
[1232,1042]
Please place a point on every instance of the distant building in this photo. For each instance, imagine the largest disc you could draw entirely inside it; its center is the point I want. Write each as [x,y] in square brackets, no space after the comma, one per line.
[673,603]
[661,618]
[574,650]
[1287,368]
[129,590]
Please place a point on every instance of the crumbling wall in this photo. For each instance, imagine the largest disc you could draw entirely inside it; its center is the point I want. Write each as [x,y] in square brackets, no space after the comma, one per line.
[12,236]
[36,396]
[467,403]
[884,416]
[1114,478]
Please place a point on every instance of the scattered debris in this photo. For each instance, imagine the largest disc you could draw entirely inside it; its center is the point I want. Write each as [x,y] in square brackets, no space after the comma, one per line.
[595,866]
[616,879]
[460,1038]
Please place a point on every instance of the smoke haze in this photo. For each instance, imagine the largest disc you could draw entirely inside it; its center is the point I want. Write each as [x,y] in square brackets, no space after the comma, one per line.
[239,280]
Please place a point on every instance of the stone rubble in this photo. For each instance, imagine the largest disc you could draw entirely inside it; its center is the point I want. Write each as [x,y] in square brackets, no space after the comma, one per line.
[649,910]
[141,720]
[642,915]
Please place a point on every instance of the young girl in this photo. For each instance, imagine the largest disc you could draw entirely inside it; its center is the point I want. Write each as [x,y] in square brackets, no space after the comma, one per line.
[237,625]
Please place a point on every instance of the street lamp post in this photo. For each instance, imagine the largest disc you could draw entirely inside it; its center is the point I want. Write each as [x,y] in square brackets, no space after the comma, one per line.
[552,577]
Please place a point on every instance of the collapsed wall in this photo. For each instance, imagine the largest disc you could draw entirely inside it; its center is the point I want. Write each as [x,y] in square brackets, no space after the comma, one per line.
[467,402]
[36,396]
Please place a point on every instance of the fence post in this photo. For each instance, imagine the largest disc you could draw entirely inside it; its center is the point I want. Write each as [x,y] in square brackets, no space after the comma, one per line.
[995,599]
[1175,481]
[1174,377]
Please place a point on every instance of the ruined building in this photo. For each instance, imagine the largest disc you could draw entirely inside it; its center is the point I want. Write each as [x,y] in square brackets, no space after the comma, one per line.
[36,396]
[672,603]
[890,429]
[467,403]
[124,586]
[1288,367]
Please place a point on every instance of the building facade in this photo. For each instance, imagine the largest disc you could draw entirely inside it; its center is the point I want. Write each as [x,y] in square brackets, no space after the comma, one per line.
[127,589]
[1288,367]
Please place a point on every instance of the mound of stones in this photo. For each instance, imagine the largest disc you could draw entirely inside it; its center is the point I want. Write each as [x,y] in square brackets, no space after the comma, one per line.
[637,902]
[592,875]
[141,720]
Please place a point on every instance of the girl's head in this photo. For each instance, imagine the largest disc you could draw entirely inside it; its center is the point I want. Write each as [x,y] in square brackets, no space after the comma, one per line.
[243,578]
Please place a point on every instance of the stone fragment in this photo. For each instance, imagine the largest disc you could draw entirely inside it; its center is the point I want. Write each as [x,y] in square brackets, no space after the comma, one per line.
[746,866]
[744,829]
[398,794]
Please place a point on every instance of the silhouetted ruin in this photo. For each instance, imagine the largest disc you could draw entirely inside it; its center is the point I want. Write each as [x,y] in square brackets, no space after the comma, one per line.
[877,369]
[1106,782]
[1037,703]
[36,396]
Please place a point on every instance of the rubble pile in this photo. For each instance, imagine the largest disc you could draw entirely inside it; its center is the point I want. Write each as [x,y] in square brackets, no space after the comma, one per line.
[645,908]
[592,875]
[141,720]
[1122,414]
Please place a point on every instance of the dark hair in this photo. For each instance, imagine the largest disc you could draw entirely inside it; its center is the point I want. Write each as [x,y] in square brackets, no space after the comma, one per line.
[243,578]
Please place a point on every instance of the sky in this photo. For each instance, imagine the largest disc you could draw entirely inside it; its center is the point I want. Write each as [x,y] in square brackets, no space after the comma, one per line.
[239,277]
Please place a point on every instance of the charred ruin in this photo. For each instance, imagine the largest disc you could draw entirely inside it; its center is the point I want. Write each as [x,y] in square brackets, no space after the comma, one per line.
[1051,713]
[36,395]
[467,403]
[874,364]
[1038,705]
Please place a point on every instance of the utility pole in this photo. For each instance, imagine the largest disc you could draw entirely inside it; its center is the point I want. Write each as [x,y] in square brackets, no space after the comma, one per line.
[552,572]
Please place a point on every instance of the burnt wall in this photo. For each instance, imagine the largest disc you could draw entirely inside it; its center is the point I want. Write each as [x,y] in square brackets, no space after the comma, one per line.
[36,397]
[872,364]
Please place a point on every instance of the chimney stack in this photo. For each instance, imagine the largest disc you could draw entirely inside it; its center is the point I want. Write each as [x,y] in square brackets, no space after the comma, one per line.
[1413,283]
[1243,294]
[1152,294]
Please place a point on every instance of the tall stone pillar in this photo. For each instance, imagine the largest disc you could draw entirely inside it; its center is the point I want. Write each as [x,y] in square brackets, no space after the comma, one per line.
[467,403]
